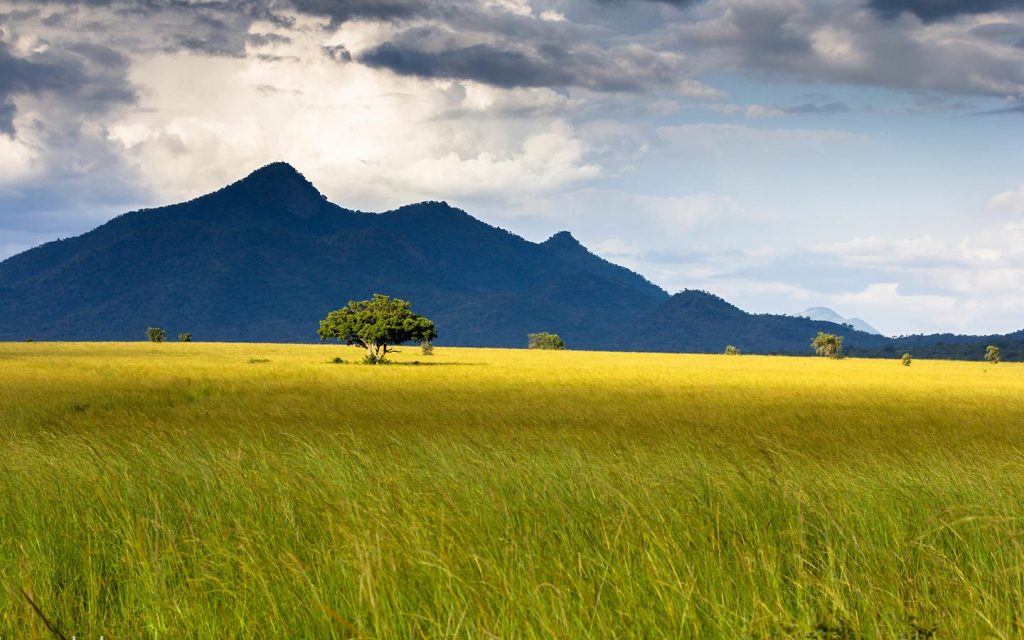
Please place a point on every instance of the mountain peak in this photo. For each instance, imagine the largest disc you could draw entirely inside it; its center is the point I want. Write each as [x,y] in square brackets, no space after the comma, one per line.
[704,301]
[275,173]
[428,207]
[562,239]
[276,186]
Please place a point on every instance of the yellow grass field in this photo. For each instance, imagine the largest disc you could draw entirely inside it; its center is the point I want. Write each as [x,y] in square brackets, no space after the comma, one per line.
[249,490]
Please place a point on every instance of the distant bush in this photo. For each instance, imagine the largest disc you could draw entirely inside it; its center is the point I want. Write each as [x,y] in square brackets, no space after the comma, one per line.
[156,334]
[992,354]
[337,361]
[545,340]
[28,340]
[906,359]
[828,345]
[185,337]
[258,360]
[372,359]
[730,350]
[427,348]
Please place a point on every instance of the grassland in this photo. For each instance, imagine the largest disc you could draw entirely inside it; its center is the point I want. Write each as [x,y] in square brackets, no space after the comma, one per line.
[238,491]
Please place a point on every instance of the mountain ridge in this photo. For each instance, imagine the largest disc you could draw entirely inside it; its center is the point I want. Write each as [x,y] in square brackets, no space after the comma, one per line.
[267,256]
[264,258]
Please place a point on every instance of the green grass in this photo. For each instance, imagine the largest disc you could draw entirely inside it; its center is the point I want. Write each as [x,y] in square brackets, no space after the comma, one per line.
[238,491]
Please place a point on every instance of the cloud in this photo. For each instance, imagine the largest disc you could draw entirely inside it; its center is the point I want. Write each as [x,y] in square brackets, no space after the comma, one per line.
[484,63]
[369,140]
[439,53]
[1011,201]
[844,43]
[1011,110]
[1002,32]
[932,10]
[340,11]
[887,296]
[91,75]
[814,108]
[732,137]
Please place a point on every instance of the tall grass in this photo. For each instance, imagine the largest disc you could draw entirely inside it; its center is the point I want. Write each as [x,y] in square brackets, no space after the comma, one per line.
[178,490]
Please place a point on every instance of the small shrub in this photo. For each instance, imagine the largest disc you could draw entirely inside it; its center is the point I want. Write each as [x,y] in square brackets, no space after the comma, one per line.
[28,340]
[185,337]
[337,361]
[730,350]
[427,348]
[156,334]
[258,360]
[906,359]
[545,340]
[992,354]
[371,359]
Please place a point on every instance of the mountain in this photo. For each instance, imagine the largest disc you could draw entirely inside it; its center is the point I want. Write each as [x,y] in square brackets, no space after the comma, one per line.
[697,321]
[265,258]
[828,315]
[569,249]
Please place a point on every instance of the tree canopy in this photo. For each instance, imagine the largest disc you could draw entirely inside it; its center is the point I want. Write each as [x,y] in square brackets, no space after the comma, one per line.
[827,345]
[992,354]
[376,325]
[544,340]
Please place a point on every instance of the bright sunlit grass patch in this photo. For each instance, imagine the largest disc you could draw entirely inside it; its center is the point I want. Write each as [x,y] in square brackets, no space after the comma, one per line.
[240,490]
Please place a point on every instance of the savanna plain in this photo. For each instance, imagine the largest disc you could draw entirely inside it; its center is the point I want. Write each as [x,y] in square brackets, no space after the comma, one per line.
[251,490]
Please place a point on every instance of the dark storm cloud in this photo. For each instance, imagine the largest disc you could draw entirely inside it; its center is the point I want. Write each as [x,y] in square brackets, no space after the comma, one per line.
[1001,32]
[671,3]
[93,76]
[1017,109]
[7,112]
[933,10]
[18,15]
[549,56]
[337,52]
[483,63]
[209,45]
[340,11]
[813,108]
[839,43]
[266,39]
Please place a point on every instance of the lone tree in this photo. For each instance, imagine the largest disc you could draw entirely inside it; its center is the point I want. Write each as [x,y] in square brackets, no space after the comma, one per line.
[185,337]
[827,345]
[156,334]
[907,359]
[731,350]
[992,354]
[545,340]
[377,325]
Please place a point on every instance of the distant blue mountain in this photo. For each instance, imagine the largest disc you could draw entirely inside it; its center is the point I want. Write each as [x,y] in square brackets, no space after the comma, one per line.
[267,257]
[828,315]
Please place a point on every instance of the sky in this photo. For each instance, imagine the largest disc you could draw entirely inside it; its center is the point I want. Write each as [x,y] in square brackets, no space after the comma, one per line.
[864,155]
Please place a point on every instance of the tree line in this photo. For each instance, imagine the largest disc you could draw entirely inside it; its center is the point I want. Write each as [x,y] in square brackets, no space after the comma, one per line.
[381,323]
